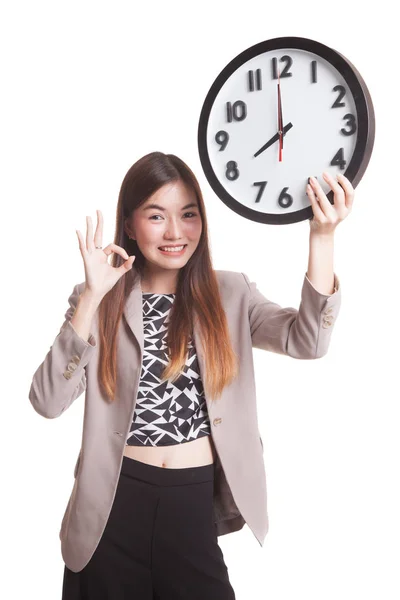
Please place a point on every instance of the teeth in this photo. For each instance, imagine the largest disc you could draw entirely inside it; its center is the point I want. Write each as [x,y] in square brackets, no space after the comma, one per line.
[178,249]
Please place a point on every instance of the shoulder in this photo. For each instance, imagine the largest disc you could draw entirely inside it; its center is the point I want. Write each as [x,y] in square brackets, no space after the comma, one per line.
[232,280]
[225,278]
[228,281]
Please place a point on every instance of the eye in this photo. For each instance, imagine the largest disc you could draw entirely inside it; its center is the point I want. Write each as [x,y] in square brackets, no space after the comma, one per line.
[188,213]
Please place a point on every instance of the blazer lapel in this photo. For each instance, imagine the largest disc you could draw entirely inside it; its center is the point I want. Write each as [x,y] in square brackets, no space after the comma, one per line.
[133,311]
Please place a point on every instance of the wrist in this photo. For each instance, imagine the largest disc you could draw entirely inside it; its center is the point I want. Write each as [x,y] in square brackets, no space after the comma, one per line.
[323,237]
[90,300]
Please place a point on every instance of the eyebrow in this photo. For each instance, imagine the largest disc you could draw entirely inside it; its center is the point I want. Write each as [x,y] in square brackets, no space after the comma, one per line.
[158,207]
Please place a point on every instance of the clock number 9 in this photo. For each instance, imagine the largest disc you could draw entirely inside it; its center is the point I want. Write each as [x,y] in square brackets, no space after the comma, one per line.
[232,172]
[222,138]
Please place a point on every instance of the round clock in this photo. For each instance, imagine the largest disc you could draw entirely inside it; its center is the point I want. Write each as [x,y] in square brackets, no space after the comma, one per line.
[283,110]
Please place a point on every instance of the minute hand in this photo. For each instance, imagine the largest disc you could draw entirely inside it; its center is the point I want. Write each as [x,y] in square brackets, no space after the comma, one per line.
[274,139]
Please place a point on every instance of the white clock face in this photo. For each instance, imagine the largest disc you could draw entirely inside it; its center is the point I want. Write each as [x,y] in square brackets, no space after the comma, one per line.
[319,121]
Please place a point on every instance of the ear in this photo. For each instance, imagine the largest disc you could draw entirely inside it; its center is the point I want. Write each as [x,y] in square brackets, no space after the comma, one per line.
[127,229]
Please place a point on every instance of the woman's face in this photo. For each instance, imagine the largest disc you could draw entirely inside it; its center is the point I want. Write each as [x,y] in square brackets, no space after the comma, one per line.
[174,221]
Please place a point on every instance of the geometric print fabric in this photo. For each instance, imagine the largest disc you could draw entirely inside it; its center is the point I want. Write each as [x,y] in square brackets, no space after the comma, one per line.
[166,413]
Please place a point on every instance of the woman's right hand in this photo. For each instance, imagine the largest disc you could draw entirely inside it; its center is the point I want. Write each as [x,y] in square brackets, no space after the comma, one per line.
[99,274]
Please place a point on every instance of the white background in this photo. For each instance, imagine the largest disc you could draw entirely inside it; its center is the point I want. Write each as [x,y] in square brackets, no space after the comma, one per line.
[87,88]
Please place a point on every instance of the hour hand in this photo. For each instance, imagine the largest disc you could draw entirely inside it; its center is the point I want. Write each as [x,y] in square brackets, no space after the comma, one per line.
[274,139]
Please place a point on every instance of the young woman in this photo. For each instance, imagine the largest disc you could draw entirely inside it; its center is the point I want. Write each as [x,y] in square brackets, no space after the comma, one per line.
[161,343]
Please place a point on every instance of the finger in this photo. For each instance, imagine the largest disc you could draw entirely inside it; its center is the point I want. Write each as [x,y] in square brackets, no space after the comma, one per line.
[127,265]
[348,188]
[318,212]
[117,249]
[324,203]
[338,193]
[98,236]
[82,246]
[89,234]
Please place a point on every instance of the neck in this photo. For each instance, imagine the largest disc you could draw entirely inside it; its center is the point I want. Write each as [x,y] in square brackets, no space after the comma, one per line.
[161,282]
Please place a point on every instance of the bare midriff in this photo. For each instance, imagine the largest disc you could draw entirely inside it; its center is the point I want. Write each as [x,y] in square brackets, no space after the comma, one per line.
[195,453]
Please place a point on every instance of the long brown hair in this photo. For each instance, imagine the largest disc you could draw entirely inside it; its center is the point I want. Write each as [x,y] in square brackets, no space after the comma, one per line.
[196,291]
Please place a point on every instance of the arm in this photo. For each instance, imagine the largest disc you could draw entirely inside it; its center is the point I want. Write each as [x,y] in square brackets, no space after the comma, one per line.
[304,333]
[320,262]
[61,378]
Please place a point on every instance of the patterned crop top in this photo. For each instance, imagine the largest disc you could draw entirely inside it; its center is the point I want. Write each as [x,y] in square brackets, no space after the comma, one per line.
[166,413]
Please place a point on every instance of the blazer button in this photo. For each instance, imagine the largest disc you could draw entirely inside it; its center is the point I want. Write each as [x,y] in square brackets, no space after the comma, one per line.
[67,374]
[75,359]
[328,310]
[71,366]
[326,324]
[217,421]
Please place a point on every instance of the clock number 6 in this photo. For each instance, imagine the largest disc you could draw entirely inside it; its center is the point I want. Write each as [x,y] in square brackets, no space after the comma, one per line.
[285,200]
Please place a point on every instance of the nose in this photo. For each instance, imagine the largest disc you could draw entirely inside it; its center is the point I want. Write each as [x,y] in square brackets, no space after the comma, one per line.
[174,230]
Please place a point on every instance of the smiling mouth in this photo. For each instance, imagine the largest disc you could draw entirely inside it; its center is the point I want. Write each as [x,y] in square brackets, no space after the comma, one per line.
[173,248]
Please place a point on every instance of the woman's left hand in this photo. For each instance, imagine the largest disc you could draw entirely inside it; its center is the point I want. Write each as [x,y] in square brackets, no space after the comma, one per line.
[326,215]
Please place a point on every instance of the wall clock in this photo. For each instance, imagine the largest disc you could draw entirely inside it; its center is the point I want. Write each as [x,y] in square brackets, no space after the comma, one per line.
[280,111]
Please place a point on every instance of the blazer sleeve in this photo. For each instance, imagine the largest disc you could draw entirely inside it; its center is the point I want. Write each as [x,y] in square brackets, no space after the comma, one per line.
[304,333]
[61,377]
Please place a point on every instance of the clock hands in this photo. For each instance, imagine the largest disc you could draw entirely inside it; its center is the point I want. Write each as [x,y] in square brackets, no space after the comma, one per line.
[274,139]
[281,130]
[280,119]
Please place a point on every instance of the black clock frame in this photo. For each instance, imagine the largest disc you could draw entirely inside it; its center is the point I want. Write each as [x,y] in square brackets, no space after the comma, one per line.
[365,118]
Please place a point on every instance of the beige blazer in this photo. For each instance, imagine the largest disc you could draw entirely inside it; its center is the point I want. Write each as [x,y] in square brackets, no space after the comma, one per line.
[70,368]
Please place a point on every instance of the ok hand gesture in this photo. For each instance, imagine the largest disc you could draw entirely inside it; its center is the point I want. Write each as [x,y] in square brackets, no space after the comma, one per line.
[99,274]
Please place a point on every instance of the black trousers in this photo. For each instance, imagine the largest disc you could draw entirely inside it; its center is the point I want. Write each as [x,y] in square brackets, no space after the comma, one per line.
[160,540]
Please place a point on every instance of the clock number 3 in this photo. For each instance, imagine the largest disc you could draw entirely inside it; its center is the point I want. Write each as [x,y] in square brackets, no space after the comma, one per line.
[351,120]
